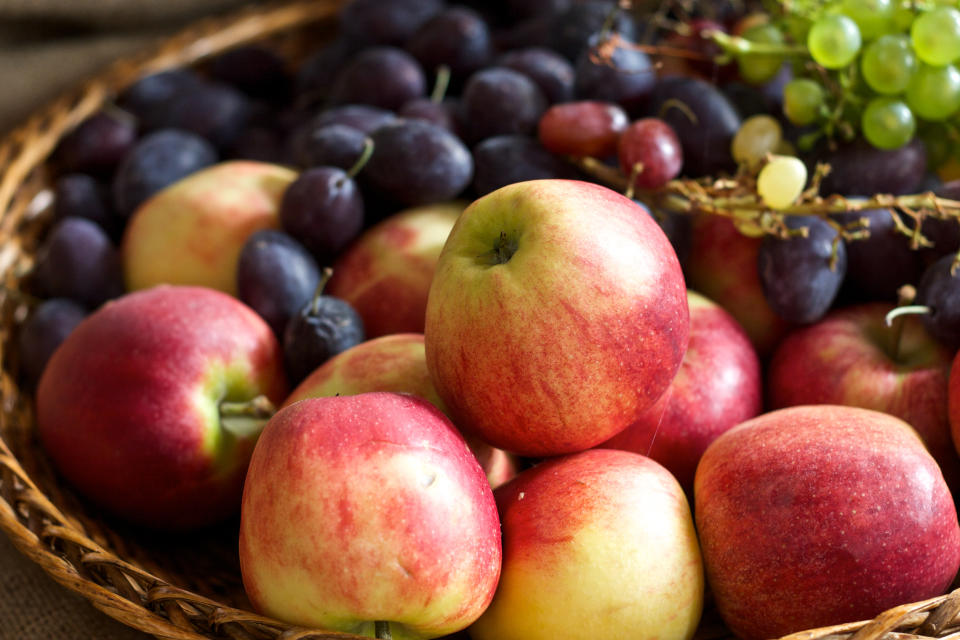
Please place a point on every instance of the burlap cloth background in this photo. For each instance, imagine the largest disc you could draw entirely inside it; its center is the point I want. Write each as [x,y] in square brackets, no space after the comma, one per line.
[47,46]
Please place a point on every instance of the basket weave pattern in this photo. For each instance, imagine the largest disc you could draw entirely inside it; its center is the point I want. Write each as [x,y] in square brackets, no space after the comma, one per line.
[185,590]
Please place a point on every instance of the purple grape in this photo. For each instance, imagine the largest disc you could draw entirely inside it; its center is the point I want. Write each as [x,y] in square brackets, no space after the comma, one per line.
[678,227]
[572,29]
[533,32]
[254,70]
[364,118]
[388,22]
[549,70]
[944,234]
[747,99]
[498,101]
[47,325]
[216,112]
[157,161]
[795,272]
[77,195]
[78,261]
[384,77]
[149,98]
[860,169]
[98,144]
[457,37]
[324,327]
[626,78]
[880,264]
[415,162]
[332,145]
[324,210]
[503,160]
[445,114]
[939,290]
[276,277]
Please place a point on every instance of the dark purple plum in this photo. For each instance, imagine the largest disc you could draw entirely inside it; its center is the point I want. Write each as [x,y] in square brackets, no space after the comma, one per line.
[216,112]
[860,169]
[324,327]
[415,162]
[363,117]
[678,227]
[939,289]
[47,325]
[457,38]
[385,77]
[78,195]
[276,277]
[796,274]
[625,77]
[323,209]
[877,266]
[499,101]
[503,160]
[262,144]
[549,70]
[149,98]
[98,143]
[78,261]
[445,114]
[255,70]
[315,77]
[523,9]
[157,161]
[532,32]
[388,22]
[332,145]
[573,28]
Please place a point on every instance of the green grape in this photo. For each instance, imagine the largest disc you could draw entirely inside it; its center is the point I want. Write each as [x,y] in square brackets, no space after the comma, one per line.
[758,68]
[888,123]
[781,181]
[834,41]
[757,136]
[802,101]
[888,63]
[873,17]
[934,92]
[936,36]
[796,27]
[903,17]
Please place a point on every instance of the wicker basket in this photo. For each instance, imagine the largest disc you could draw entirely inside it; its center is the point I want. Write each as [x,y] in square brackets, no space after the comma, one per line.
[184,588]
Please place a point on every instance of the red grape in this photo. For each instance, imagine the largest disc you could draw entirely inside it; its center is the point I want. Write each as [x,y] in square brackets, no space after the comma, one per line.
[585,128]
[652,143]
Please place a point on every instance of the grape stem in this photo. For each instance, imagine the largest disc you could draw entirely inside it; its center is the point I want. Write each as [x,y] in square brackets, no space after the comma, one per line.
[736,46]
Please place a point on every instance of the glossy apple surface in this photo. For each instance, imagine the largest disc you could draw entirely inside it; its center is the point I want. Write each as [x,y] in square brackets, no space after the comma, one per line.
[718,387]
[130,407]
[598,544]
[368,508]
[557,314]
[818,515]
[192,232]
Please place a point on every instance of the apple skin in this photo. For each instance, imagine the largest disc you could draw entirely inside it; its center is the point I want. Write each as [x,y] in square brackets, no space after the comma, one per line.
[723,266]
[818,515]
[396,363]
[364,508]
[565,343]
[192,232]
[719,385]
[847,359]
[386,273]
[597,544]
[127,407]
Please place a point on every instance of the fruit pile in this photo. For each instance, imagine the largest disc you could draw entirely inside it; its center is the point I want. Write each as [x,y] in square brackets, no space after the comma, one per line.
[530,318]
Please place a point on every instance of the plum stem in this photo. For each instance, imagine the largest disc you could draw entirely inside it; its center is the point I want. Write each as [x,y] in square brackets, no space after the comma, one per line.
[441,84]
[325,276]
[382,630]
[362,161]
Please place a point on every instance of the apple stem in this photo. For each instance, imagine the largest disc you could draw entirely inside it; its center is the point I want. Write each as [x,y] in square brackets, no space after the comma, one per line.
[325,276]
[382,630]
[906,294]
[906,310]
[441,84]
[362,161]
[259,407]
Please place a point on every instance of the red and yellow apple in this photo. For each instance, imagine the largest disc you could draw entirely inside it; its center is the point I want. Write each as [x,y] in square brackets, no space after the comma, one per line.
[138,407]
[192,232]
[368,509]
[557,315]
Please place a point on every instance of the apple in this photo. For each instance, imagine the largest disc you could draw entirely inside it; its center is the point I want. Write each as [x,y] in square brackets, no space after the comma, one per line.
[396,363]
[718,387]
[192,232]
[597,544]
[851,357]
[368,511]
[723,266]
[386,273]
[141,408]
[557,315]
[819,515]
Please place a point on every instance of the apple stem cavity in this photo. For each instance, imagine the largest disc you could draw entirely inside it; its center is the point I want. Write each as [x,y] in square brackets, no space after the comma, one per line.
[364,158]
[246,418]
[441,84]
[325,276]
[382,630]
[503,250]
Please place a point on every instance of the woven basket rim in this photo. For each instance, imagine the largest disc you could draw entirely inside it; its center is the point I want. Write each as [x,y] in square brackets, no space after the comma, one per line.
[123,591]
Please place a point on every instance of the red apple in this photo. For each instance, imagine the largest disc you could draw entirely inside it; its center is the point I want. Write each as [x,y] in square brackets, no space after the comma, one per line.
[365,509]
[386,273]
[723,266]
[394,363]
[718,386]
[557,315]
[851,358]
[136,408]
[598,544]
[192,232]
[818,515]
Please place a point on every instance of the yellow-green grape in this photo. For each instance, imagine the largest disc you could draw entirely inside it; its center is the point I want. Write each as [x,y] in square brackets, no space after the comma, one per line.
[873,17]
[888,63]
[746,222]
[903,17]
[803,100]
[934,92]
[757,68]
[834,40]
[936,36]
[756,137]
[888,123]
[796,27]
[781,181]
